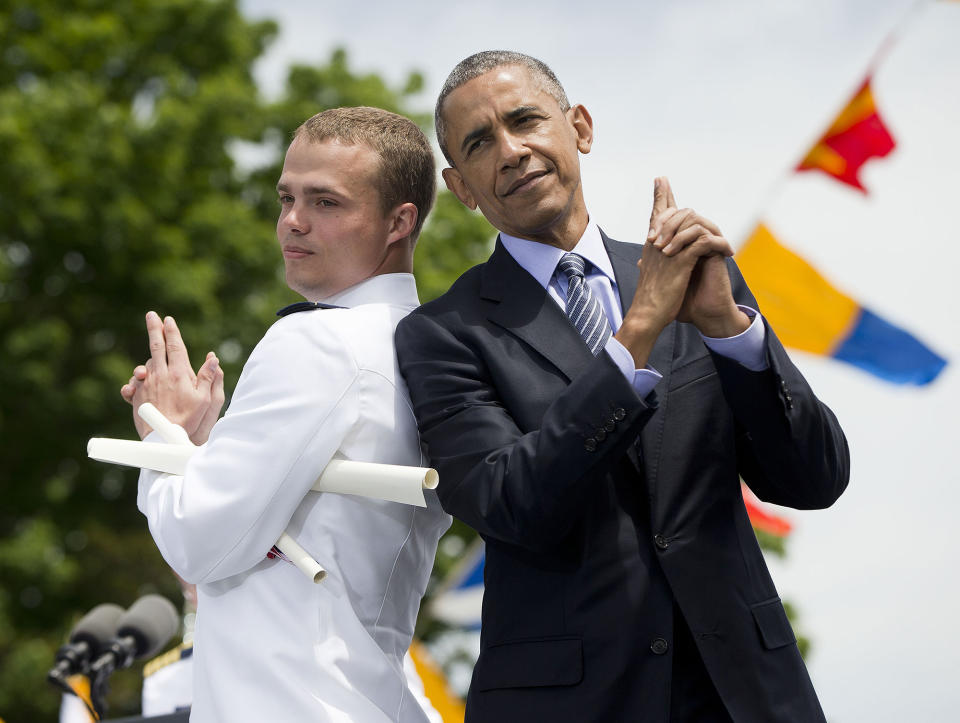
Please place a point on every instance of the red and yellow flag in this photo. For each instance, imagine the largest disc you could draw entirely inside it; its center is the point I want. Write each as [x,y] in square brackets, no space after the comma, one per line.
[856,135]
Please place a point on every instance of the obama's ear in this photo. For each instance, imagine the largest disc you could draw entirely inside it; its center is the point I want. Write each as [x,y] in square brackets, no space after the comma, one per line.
[454,181]
[579,118]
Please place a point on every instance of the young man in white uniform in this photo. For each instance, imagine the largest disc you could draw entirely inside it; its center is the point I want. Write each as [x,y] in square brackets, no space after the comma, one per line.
[270,645]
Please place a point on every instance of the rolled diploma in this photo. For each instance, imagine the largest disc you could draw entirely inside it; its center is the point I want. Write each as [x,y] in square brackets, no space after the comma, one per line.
[300,557]
[393,483]
[169,458]
[171,433]
[181,449]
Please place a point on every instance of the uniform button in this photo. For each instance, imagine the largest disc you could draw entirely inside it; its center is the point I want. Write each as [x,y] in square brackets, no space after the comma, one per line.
[600,435]
[659,646]
[610,425]
[661,542]
[788,398]
[590,445]
[619,414]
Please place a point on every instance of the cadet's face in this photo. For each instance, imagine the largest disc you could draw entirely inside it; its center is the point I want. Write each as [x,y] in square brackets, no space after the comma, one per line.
[515,155]
[332,229]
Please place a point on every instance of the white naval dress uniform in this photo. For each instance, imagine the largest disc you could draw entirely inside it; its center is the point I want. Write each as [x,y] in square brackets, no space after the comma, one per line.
[270,645]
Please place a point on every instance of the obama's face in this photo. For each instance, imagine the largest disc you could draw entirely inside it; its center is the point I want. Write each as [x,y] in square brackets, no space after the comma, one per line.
[516,153]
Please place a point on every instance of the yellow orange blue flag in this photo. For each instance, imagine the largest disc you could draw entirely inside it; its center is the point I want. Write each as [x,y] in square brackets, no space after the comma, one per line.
[809,313]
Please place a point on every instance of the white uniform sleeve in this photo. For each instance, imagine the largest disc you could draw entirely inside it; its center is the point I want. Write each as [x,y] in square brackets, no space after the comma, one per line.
[294,404]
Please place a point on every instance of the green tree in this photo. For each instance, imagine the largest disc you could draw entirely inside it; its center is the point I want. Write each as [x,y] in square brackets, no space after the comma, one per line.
[120,125]
[453,240]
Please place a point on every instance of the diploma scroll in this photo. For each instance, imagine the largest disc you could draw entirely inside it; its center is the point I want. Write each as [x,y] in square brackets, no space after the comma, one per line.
[393,483]
[300,557]
[171,433]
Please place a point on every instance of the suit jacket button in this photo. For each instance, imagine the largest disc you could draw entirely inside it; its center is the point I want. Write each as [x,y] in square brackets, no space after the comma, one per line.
[619,414]
[610,425]
[600,435]
[590,445]
[659,646]
[661,542]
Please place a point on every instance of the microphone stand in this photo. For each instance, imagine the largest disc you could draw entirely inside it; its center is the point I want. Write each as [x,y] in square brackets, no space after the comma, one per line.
[124,650]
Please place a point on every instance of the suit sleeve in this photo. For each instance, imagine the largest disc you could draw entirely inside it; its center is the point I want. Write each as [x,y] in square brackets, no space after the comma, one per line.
[527,489]
[294,404]
[790,448]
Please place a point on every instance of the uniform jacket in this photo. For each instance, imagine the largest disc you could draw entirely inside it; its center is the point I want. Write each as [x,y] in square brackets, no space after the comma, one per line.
[270,644]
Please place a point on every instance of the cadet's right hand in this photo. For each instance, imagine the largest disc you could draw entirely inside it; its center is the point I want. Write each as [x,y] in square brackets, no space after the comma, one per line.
[167,381]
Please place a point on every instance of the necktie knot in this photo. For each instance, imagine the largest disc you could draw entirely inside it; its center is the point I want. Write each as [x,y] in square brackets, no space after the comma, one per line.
[572,265]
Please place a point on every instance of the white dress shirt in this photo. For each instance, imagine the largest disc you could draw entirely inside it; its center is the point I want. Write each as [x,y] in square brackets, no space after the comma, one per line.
[270,645]
[540,261]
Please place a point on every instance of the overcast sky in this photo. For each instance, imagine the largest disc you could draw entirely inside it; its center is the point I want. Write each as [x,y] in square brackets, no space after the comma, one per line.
[724,98]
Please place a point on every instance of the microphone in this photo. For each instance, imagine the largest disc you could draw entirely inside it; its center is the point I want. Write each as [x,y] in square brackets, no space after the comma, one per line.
[141,632]
[87,639]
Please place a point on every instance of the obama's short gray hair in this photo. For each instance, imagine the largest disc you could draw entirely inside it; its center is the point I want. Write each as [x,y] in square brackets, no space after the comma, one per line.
[483,62]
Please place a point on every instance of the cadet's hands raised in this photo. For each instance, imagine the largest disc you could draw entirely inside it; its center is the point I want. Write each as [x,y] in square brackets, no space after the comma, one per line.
[167,381]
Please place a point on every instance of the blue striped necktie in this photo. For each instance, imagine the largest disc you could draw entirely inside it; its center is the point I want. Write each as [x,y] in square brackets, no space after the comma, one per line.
[583,308]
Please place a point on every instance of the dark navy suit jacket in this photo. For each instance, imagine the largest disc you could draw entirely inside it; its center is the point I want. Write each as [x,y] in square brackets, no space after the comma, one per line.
[600,509]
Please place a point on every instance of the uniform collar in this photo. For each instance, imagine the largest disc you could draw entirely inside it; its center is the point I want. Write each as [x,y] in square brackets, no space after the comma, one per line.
[396,289]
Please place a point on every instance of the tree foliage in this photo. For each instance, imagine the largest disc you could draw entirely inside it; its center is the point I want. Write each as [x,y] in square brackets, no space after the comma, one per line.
[120,129]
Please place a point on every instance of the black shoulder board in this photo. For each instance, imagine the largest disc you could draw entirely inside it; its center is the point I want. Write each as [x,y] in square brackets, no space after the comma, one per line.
[305,306]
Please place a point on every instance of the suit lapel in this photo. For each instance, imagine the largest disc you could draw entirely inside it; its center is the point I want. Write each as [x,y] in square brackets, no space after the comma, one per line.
[624,258]
[518,304]
[522,307]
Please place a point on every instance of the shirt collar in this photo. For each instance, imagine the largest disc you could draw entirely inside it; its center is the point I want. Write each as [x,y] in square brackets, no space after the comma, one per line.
[540,260]
[396,289]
